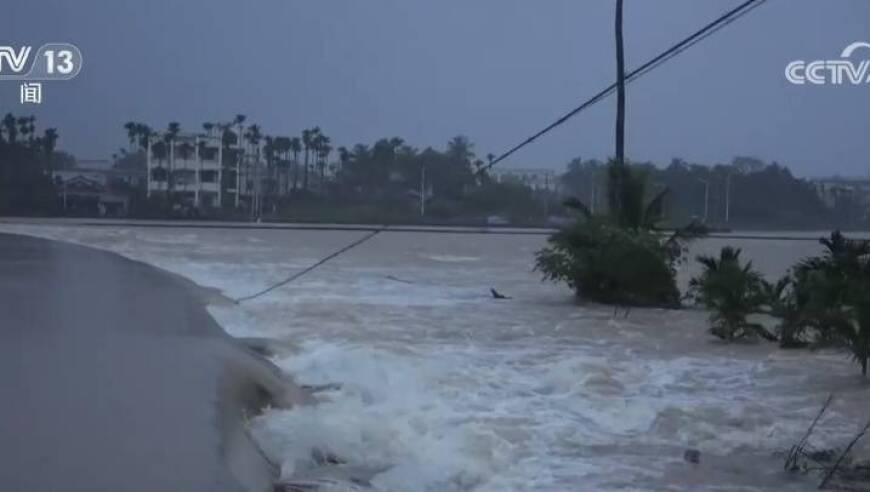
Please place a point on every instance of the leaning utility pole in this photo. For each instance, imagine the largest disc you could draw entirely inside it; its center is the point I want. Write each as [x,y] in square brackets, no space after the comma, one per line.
[620,88]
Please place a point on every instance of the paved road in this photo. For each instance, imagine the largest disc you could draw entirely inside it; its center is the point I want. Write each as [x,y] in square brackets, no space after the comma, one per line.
[113,378]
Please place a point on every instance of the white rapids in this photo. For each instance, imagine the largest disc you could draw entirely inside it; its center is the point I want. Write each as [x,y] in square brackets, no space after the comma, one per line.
[436,386]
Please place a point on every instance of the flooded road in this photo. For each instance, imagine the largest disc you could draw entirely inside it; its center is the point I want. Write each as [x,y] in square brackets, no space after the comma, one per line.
[435,385]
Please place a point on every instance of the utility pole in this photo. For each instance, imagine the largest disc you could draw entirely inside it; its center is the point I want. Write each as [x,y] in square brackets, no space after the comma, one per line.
[620,87]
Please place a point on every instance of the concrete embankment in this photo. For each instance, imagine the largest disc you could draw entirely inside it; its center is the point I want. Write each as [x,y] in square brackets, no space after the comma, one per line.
[114,377]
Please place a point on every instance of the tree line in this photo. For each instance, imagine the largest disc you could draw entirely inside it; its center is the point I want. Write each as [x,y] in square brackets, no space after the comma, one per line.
[746,193]
[27,159]
[305,177]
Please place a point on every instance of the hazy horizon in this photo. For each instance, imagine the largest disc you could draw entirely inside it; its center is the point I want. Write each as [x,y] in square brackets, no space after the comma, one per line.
[492,70]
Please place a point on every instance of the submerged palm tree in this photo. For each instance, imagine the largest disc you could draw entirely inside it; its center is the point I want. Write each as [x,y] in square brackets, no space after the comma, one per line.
[836,287]
[732,291]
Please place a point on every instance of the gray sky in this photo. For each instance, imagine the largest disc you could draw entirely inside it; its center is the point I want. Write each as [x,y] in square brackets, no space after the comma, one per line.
[495,70]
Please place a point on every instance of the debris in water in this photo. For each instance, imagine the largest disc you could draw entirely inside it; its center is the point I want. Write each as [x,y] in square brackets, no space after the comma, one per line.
[497,295]
[692,456]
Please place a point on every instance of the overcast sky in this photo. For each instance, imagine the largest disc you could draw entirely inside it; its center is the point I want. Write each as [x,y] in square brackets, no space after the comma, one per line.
[495,70]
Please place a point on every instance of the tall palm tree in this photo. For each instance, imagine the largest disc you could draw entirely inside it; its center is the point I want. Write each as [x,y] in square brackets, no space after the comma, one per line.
[253,135]
[343,155]
[322,150]
[308,136]
[169,137]
[132,132]
[295,148]
[460,148]
[9,123]
[49,143]
[239,121]
[23,127]
[269,154]
[145,135]
[282,169]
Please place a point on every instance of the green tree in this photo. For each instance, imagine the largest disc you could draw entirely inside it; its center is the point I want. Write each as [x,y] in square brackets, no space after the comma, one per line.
[49,142]
[308,139]
[10,125]
[838,288]
[732,291]
[295,148]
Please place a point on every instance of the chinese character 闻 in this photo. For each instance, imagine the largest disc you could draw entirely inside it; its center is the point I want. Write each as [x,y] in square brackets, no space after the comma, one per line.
[31,92]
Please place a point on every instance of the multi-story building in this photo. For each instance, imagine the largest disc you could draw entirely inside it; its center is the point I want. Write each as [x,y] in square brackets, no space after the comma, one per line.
[198,171]
[536,179]
[187,166]
[849,196]
[832,190]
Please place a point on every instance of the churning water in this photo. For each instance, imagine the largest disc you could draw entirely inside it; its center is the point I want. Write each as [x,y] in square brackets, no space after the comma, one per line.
[434,385]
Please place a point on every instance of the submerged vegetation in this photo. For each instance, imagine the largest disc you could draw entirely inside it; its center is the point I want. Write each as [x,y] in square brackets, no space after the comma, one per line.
[824,301]
[619,257]
[732,291]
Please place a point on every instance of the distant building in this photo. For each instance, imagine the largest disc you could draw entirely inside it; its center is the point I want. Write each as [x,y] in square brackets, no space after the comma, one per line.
[536,179]
[832,190]
[846,195]
[187,166]
[104,192]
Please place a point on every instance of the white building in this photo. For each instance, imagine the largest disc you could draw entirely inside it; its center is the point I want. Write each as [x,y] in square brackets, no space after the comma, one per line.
[536,179]
[836,190]
[188,166]
[104,191]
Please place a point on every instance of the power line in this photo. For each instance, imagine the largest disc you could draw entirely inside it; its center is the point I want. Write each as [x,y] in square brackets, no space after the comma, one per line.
[698,36]
[312,267]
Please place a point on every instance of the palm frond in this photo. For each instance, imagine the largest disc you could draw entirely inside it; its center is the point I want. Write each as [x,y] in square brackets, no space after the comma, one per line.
[578,206]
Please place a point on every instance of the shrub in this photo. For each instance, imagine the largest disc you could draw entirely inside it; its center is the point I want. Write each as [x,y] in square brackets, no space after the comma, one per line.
[787,300]
[619,258]
[732,291]
[609,264]
[836,287]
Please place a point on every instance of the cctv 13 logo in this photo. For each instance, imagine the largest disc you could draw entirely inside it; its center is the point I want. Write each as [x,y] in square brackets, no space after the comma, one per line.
[53,61]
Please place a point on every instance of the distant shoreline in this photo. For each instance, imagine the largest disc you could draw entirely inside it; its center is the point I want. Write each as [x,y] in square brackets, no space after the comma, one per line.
[750,234]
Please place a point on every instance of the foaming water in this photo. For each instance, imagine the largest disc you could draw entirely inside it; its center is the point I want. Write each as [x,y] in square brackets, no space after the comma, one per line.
[431,384]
